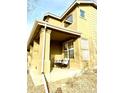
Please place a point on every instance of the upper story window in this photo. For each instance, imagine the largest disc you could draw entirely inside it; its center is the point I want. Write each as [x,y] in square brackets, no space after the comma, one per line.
[69,19]
[82,13]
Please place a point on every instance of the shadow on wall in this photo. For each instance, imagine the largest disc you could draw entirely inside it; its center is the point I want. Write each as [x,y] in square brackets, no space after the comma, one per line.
[55,51]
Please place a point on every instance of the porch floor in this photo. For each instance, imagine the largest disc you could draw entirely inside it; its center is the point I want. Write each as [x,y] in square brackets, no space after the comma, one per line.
[61,73]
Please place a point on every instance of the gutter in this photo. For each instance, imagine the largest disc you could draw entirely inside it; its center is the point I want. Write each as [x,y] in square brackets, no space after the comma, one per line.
[43,53]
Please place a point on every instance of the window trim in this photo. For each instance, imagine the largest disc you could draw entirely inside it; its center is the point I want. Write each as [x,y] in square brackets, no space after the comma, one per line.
[68,49]
[85,49]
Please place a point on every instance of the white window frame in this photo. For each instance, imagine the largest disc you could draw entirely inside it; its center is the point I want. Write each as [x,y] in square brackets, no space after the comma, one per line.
[68,49]
[85,49]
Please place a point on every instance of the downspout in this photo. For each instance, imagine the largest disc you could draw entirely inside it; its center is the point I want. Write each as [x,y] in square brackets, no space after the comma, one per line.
[42,68]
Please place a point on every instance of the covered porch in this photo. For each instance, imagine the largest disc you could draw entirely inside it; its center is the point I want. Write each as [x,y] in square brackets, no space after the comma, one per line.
[61,49]
[49,45]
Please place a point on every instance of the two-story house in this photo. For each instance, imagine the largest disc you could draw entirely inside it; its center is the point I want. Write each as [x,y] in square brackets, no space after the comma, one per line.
[69,38]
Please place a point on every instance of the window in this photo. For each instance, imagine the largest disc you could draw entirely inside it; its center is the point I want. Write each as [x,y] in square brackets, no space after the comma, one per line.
[68,21]
[68,49]
[85,55]
[71,49]
[82,13]
[66,53]
[84,44]
[69,18]
[71,53]
[85,49]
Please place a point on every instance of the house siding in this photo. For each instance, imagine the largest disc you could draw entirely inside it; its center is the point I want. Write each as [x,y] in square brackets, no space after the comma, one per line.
[87,26]
[33,58]
[61,23]
[55,51]
[54,22]
[72,26]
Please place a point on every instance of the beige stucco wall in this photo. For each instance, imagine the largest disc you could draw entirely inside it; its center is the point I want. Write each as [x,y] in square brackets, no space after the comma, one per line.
[55,51]
[61,23]
[29,57]
[73,26]
[54,22]
[76,62]
[87,26]
[33,58]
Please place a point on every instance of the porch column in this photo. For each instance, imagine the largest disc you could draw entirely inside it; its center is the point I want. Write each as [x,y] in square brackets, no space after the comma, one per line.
[30,59]
[41,46]
[47,63]
[77,53]
[34,61]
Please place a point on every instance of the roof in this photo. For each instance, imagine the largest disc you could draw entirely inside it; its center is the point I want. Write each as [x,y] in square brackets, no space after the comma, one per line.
[76,2]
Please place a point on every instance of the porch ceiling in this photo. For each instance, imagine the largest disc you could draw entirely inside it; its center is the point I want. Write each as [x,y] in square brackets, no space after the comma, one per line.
[62,36]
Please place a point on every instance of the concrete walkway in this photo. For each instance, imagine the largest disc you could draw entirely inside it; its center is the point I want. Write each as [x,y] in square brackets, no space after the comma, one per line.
[55,75]
[59,74]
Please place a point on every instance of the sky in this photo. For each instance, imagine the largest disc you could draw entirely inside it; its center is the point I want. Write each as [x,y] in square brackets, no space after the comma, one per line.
[37,8]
